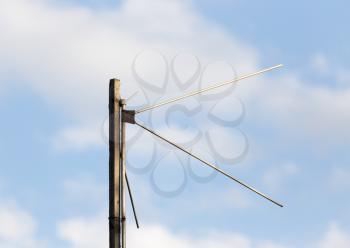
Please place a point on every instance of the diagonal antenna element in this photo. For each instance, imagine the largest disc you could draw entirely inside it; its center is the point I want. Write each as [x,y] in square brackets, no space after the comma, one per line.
[210,165]
[132,201]
[206,89]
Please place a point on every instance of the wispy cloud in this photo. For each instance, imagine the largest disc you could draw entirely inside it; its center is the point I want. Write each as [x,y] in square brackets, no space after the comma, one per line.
[67,54]
[18,228]
[92,233]
[335,237]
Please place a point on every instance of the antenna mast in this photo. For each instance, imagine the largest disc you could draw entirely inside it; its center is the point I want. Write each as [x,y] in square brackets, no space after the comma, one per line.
[118,180]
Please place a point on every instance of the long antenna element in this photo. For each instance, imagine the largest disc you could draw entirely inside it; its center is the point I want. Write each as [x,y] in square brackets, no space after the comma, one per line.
[210,165]
[206,89]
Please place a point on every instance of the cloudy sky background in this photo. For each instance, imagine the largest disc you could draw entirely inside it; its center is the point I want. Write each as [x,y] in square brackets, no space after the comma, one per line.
[56,60]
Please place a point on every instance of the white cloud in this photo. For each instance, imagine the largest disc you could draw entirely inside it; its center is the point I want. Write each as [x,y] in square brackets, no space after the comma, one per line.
[17,227]
[84,233]
[78,138]
[93,233]
[335,237]
[18,230]
[317,114]
[67,54]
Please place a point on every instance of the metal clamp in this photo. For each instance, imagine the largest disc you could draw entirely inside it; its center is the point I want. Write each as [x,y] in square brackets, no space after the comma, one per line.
[128,116]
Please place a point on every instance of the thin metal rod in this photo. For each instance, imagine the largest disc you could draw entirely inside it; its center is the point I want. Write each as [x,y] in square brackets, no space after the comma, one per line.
[132,200]
[206,89]
[210,165]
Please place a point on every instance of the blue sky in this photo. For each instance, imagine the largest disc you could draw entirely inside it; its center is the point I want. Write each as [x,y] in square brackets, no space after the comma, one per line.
[57,58]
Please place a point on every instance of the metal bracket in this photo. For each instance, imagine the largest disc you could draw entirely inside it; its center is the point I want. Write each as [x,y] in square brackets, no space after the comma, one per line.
[128,116]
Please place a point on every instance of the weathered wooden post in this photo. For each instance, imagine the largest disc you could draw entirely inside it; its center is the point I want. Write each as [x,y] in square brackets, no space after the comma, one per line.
[114,164]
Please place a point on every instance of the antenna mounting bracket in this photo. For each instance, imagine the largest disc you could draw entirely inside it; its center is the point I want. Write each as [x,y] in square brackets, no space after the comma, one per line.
[128,116]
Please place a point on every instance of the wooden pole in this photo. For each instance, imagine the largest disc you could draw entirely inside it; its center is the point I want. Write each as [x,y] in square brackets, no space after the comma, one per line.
[123,177]
[114,165]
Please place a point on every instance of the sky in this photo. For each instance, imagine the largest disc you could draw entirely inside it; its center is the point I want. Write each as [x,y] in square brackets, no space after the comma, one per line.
[285,132]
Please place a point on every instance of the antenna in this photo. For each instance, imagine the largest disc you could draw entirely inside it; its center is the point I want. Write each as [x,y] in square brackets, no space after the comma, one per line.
[215,86]
[118,117]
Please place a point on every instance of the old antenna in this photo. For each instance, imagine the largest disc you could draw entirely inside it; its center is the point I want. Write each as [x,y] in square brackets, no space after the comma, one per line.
[118,117]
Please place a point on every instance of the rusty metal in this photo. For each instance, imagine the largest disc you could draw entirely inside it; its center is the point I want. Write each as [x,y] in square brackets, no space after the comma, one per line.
[128,116]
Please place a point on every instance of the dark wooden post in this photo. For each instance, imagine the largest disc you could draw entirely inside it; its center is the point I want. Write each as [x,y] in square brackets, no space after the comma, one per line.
[114,164]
